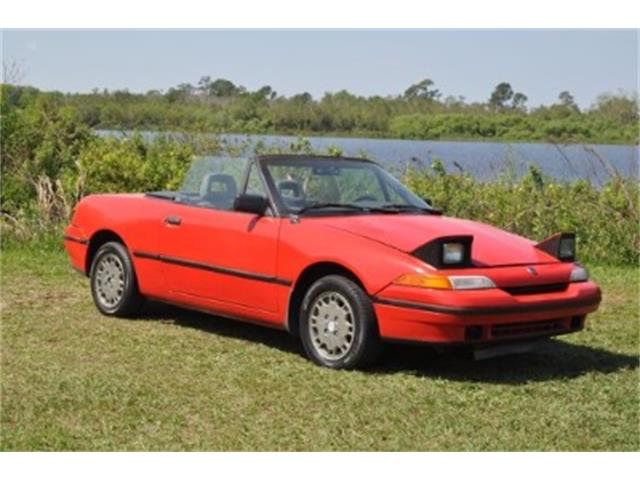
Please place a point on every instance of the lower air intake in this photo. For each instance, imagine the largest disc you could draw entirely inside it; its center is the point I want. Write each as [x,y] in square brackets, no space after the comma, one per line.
[536,289]
[528,328]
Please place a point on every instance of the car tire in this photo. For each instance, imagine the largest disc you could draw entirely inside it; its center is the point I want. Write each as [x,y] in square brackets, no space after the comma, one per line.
[338,326]
[114,286]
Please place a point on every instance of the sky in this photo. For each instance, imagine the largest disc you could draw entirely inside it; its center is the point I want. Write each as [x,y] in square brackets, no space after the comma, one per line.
[539,63]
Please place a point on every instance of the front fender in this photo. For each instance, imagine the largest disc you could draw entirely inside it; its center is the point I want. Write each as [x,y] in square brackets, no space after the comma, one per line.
[376,265]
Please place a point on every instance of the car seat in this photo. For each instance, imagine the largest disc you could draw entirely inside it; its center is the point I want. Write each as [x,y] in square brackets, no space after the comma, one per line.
[292,193]
[219,189]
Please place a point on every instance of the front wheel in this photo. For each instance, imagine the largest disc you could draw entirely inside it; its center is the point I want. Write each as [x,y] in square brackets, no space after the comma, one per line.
[113,281]
[338,326]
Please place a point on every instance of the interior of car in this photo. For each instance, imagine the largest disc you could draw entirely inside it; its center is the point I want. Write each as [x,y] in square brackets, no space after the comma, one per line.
[292,193]
[218,190]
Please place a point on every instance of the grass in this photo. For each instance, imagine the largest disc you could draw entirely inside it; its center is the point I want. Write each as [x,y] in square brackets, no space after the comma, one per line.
[175,380]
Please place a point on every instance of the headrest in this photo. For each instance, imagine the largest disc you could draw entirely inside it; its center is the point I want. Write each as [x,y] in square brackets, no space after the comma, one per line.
[218,183]
[292,185]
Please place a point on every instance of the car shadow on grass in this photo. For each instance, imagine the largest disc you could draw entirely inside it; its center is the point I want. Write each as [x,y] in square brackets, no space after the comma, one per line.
[554,359]
[225,327]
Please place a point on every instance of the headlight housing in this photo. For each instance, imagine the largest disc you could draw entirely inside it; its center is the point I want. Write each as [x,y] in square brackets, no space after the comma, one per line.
[567,248]
[562,246]
[446,252]
[579,274]
[444,282]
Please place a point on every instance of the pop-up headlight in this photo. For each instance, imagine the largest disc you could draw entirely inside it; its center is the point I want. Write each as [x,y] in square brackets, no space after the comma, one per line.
[452,253]
[567,249]
[561,245]
[446,252]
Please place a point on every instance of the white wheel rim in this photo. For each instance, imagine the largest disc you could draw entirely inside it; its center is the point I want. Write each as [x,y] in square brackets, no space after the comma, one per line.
[331,325]
[109,280]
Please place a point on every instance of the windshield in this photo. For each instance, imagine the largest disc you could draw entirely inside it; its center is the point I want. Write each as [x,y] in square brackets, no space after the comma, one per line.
[308,183]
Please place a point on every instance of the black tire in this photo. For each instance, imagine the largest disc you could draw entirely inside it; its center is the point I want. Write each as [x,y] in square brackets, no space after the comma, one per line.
[338,292]
[122,298]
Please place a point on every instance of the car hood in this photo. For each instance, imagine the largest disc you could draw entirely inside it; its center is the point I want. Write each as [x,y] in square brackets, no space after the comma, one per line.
[491,246]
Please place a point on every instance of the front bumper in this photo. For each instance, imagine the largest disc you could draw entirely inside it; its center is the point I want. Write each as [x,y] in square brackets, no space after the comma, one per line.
[481,316]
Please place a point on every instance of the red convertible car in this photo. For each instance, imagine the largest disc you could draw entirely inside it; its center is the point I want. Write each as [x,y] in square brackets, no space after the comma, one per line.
[334,250]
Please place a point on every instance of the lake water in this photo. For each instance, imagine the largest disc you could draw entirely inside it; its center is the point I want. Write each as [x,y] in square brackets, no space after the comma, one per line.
[484,160]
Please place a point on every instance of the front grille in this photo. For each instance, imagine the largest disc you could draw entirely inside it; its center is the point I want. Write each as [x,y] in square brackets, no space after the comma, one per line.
[533,289]
[528,328]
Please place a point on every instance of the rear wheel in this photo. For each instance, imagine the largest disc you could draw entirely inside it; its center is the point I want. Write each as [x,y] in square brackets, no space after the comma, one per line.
[113,281]
[338,327]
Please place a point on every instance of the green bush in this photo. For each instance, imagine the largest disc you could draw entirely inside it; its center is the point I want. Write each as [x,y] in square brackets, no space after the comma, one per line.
[605,220]
[132,165]
[50,158]
[39,138]
[512,127]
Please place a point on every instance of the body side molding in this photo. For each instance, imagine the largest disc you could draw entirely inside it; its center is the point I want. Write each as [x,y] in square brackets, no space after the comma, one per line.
[212,268]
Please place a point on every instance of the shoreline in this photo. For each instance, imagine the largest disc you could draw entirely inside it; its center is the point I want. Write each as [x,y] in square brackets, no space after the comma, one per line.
[365,136]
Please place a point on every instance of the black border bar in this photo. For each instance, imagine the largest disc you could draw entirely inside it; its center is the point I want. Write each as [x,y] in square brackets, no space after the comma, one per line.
[212,268]
[81,241]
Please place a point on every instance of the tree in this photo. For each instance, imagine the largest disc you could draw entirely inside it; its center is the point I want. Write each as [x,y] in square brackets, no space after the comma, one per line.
[267,92]
[567,101]
[500,96]
[422,90]
[220,87]
[519,99]
[503,97]
[304,97]
[180,93]
[186,88]
[619,107]
[203,84]
[453,102]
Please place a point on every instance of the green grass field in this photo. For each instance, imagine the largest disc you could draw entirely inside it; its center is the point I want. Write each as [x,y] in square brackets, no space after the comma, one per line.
[174,380]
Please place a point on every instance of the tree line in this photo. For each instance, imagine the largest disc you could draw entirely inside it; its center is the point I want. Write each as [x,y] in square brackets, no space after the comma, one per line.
[420,112]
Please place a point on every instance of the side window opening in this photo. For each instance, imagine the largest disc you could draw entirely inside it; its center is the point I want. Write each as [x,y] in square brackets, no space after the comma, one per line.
[212,182]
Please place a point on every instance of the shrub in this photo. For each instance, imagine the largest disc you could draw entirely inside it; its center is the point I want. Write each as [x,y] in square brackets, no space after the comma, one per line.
[605,220]
[132,165]
[50,159]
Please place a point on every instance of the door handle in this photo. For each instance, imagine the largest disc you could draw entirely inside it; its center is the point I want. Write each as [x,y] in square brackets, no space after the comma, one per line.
[172,220]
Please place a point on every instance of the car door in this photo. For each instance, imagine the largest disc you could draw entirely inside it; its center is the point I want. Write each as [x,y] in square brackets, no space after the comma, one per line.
[221,255]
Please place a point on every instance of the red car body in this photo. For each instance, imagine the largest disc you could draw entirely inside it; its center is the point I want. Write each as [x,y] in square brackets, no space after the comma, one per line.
[255,268]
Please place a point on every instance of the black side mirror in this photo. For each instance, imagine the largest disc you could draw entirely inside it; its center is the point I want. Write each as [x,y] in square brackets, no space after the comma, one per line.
[249,203]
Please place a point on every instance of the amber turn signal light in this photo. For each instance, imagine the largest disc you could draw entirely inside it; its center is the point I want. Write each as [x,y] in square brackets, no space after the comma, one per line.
[424,281]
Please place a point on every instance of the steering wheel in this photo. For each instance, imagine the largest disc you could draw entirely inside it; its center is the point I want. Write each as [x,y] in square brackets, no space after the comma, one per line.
[365,198]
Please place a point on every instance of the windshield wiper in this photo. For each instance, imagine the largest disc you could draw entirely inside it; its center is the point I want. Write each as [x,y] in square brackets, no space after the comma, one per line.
[403,207]
[386,208]
[320,206]
[163,194]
